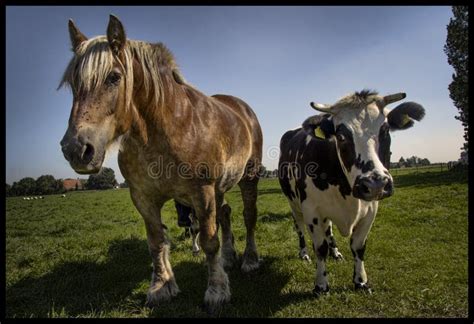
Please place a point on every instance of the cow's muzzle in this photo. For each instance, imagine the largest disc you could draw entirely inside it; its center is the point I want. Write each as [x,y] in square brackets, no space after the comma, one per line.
[374,187]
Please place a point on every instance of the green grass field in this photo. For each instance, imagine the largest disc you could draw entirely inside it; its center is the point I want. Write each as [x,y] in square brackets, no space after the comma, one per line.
[86,256]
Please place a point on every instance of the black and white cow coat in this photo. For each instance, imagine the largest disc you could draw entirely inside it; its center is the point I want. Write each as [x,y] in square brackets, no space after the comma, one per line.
[334,170]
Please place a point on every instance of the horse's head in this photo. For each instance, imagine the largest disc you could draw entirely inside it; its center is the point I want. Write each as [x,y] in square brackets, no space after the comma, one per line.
[100,79]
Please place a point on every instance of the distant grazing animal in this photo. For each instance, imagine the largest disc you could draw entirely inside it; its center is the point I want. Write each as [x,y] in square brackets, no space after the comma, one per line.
[176,143]
[63,196]
[334,169]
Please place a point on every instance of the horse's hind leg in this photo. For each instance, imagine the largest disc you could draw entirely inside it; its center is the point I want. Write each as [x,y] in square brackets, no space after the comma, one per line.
[228,251]
[249,190]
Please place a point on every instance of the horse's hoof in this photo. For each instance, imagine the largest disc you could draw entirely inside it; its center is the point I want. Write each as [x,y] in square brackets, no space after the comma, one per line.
[161,292]
[229,260]
[251,262]
[215,298]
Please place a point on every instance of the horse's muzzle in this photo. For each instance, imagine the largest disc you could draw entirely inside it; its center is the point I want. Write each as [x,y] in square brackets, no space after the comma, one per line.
[80,154]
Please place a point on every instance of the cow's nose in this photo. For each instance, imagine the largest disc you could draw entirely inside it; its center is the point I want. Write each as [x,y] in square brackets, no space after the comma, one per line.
[373,187]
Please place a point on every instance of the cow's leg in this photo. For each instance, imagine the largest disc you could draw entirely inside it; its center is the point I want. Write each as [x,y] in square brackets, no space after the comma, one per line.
[317,229]
[321,249]
[333,250]
[248,188]
[299,228]
[358,241]
[163,284]
[228,251]
[218,290]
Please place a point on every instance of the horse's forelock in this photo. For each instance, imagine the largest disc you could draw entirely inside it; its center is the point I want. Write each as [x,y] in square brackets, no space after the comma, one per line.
[93,61]
[88,69]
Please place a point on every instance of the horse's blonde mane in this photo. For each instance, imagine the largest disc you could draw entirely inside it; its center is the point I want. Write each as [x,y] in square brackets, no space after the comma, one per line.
[93,61]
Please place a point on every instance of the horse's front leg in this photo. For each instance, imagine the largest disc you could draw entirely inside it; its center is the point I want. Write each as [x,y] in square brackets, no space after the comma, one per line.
[218,291]
[163,284]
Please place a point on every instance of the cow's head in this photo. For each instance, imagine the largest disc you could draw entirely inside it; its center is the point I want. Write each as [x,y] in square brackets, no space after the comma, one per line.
[360,125]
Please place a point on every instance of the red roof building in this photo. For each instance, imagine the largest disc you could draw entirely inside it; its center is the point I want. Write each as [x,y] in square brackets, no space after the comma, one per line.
[72,184]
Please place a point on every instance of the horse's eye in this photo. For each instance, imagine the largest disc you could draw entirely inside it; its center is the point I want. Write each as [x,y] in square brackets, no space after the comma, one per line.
[113,78]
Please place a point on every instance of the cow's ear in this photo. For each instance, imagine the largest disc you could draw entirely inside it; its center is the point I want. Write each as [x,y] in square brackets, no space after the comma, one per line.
[402,116]
[327,127]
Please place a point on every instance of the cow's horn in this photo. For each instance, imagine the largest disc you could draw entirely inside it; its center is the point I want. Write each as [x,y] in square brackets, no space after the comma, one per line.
[321,107]
[394,97]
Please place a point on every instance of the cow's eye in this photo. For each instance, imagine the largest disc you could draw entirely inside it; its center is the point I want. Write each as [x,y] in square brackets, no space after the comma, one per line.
[113,78]
[341,137]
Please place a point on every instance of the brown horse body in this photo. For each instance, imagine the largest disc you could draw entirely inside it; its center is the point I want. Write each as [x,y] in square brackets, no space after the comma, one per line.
[177,143]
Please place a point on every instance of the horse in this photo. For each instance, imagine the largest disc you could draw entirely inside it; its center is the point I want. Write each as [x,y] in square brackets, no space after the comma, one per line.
[175,143]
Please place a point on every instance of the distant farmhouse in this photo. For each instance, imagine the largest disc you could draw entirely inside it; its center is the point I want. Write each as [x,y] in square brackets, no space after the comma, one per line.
[74,184]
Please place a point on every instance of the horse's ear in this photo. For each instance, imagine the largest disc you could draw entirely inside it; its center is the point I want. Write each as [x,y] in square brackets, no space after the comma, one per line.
[116,35]
[76,36]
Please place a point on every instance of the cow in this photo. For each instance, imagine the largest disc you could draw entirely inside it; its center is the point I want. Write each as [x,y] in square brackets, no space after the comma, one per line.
[334,169]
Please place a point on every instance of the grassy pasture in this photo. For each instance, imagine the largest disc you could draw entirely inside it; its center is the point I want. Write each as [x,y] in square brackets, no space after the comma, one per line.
[86,256]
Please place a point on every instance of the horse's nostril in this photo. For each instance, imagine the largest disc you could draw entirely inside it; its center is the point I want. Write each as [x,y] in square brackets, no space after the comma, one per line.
[88,153]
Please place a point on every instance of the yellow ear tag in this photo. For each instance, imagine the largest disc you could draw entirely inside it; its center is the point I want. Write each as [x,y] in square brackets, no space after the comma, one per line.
[406,119]
[318,132]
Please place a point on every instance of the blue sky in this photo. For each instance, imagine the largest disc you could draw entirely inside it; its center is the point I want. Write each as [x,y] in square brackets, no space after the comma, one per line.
[277,59]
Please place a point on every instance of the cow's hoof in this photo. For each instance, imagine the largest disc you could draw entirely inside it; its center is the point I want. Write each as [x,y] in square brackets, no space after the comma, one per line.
[318,291]
[304,256]
[336,255]
[363,287]
[161,292]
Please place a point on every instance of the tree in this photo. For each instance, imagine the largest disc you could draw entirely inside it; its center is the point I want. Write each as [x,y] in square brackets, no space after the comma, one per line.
[8,190]
[456,48]
[124,184]
[105,179]
[402,161]
[24,187]
[46,185]
[425,161]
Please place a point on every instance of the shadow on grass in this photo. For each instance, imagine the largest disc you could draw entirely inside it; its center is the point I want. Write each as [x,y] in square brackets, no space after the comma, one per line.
[272,217]
[430,179]
[98,289]
[255,294]
[270,191]
[79,287]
